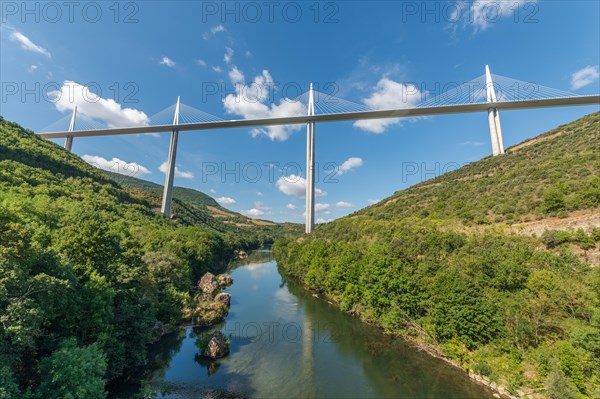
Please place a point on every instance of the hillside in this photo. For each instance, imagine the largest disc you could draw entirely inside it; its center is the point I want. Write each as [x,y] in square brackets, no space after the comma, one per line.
[192,207]
[89,271]
[451,265]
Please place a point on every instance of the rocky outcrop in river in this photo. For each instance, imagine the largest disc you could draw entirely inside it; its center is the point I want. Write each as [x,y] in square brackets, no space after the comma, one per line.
[217,346]
[224,298]
[208,284]
[224,280]
[213,306]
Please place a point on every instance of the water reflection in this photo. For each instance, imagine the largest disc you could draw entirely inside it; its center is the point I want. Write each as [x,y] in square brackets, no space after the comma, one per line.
[286,343]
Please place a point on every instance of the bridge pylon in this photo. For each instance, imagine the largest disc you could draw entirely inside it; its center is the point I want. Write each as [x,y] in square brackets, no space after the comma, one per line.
[493,115]
[170,172]
[310,165]
[69,139]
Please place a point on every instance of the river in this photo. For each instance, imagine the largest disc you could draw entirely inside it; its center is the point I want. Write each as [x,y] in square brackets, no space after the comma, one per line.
[285,343]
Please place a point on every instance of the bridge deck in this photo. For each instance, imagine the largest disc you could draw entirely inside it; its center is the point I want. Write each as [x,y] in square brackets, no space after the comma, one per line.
[347,116]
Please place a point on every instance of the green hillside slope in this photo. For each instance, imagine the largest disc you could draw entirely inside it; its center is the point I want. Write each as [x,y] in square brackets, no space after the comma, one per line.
[553,174]
[89,271]
[444,265]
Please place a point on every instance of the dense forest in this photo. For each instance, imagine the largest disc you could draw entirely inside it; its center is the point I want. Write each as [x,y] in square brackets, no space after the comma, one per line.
[448,265]
[90,272]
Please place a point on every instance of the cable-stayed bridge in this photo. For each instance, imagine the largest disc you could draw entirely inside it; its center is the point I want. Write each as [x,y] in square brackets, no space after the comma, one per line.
[487,93]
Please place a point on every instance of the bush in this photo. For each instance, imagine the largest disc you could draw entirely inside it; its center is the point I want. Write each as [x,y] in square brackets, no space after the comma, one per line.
[482,369]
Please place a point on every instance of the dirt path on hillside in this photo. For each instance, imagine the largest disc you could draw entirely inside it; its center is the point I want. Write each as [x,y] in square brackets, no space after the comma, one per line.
[578,220]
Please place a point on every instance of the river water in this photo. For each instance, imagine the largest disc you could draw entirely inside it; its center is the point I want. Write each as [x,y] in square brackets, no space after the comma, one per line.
[285,343]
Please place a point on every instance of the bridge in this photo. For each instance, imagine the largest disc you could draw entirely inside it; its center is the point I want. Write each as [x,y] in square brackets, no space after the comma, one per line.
[487,93]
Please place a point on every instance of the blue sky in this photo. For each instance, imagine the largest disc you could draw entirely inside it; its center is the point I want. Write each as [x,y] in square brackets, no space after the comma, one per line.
[139,56]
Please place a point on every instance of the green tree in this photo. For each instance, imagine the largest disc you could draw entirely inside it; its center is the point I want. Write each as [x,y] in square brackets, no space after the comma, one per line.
[73,372]
[554,200]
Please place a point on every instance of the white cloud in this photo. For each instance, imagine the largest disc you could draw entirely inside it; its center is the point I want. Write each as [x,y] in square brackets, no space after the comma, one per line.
[27,44]
[584,77]
[90,105]
[253,101]
[236,76]
[33,68]
[321,220]
[213,31]
[253,212]
[481,14]
[291,206]
[296,186]
[116,165]
[349,164]
[217,69]
[260,205]
[178,173]
[201,62]
[217,29]
[168,62]
[225,200]
[228,55]
[473,143]
[212,191]
[343,204]
[388,94]
[373,201]
[321,207]
[259,193]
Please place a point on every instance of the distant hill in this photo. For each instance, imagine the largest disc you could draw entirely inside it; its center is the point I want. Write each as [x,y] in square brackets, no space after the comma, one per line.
[493,266]
[192,207]
[180,193]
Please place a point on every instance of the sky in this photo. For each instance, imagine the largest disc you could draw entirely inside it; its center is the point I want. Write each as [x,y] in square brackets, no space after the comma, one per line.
[121,63]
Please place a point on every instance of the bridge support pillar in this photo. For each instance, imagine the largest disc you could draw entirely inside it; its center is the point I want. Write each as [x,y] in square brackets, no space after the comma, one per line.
[493,116]
[69,139]
[310,166]
[170,172]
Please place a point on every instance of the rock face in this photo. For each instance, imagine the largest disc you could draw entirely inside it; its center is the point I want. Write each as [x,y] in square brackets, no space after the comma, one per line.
[224,280]
[210,313]
[208,284]
[217,346]
[240,254]
[211,308]
[223,298]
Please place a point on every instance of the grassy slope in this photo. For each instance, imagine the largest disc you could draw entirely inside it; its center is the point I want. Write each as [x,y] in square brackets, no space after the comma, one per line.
[508,188]
[440,264]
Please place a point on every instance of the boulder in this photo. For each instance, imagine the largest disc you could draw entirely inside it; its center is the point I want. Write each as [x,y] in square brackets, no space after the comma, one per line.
[224,298]
[240,254]
[208,283]
[224,280]
[217,346]
[209,313]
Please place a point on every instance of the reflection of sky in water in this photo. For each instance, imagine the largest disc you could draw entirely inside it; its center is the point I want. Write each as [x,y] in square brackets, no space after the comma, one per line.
[289,344]
[258,269]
